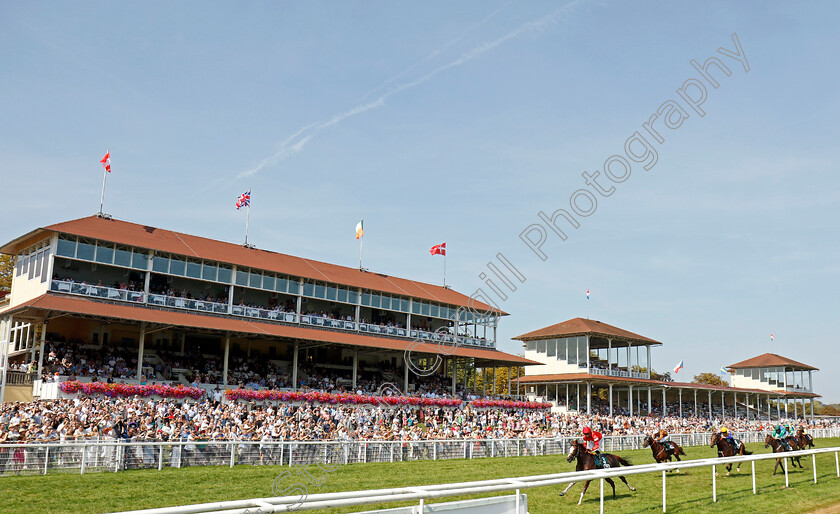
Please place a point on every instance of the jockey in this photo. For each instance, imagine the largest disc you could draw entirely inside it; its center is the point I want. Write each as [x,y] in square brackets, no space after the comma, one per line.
[663,437]
[780,433]
[724,433]
[592,440]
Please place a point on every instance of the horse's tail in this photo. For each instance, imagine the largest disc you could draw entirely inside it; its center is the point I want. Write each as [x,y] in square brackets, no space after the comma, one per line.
[680,451]
[623,461]
[747,452]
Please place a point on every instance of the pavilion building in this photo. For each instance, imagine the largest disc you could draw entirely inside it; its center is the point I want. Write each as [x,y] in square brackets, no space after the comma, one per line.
[585,361]
[111,283]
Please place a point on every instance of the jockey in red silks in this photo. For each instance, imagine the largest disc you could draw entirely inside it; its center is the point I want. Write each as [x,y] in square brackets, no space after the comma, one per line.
[592,440]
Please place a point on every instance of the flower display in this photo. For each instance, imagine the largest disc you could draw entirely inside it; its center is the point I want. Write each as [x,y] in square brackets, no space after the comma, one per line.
[124,390]
[360,399]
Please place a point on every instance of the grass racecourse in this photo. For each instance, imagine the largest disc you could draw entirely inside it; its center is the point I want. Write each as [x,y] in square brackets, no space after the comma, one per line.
[690,491]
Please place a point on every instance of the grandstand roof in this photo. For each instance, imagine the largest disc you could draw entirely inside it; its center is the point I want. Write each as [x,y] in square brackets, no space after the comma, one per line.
[587,377]
[580,326]
[84,307]
[143,236]
[772,360]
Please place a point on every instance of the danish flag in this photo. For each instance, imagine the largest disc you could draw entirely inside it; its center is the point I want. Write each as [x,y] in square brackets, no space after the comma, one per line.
[438,249]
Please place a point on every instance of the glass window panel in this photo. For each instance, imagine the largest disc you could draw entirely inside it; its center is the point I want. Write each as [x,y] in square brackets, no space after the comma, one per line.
[433,310]
[255,279]
[561,349]
[281,284]
[66,247]
[160,264]
[308,289]
[38,259]
[31,267]
[46,267]
[177,266]
[375,300]
[415,307]
[342,295]
[194,268]
[209,271]
[105,254]
[224,274]
[352,297]
[550,348]
[541,346]
[122,257]
[268,282]
[404,305]
[425,308]
[21,260]
[140,260]
[332,293]
[294,286]
[532,346]
[85,251]
[242,277]
[320,291]
[385,302]
[571,352]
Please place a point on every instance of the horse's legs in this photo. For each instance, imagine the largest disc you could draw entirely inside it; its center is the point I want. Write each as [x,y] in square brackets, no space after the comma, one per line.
[585,487]
[566,490]
[610,481]
[778,463]
[628,485]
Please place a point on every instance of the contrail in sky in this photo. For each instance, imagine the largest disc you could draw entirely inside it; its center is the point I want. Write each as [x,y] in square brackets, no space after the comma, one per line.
[295,143]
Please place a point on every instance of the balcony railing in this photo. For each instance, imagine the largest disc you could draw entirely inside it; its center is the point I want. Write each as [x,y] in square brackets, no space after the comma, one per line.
[617,373]
[160,300]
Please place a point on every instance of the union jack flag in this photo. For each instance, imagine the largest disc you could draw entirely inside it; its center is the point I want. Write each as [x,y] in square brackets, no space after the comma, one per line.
[244,200]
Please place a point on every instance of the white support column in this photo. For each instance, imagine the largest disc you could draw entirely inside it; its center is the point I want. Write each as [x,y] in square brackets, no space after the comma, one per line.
[568,404]
[696,411]
[735,404]
[647,364]
[455,374]
[630,399]
[577,399]
[747,402]
[664,403]
[5,336]
[611,400]
[227,359]
[778,409]
[609,356]
[356,368]
[681,414]
[650,400]
[629,347]
[295,366]
[710,404]
[140,350]
[41,350]
[405,379]
[722,405]
[588,396]
[588,369]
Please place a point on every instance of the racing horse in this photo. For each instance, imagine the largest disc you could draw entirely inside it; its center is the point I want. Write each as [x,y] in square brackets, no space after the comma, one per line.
[661,451]
[778,447]
[803,440]
[726,449]
[586,461]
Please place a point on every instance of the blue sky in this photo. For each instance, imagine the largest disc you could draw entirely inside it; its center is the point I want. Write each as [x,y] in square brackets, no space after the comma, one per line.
[459,123]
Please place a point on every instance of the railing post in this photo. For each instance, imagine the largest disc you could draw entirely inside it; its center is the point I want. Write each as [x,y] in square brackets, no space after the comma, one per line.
[813,464]
[47,460]
[602,497]
[160,457]
[663,491]
[232,453]
[83,459]
[392,452]
[837,464]
[434,451]
[714,483]
[753,475]
[785,461]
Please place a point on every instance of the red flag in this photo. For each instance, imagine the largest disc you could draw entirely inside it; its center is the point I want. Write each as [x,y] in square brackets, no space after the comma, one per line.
[106,161]
[438,249]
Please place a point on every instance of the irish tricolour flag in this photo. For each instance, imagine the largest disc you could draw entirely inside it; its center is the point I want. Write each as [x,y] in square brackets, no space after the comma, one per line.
[360,229]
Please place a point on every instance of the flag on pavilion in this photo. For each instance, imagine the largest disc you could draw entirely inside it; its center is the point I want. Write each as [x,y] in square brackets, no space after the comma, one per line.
[679,366]
[244,200]
[360,229]
[723,370]
[587,294]
[772,338]
[106,161]
[438,249]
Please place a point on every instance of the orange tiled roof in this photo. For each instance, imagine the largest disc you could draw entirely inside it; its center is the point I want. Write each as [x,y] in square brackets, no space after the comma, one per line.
[580,326]
[770,360]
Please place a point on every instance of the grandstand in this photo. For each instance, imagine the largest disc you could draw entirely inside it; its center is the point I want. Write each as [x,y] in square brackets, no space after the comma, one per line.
[615,364]
[145,304]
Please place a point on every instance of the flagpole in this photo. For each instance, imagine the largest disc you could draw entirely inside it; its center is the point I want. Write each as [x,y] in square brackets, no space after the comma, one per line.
[361,244]
[247,221]
[102,197]
[444,269]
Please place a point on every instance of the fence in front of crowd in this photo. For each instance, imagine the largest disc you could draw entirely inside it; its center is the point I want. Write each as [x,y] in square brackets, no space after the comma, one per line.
[110,455]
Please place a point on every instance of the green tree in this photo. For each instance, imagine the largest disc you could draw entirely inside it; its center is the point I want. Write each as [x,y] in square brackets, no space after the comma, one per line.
[709,379]
[7,268]
[662,377]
